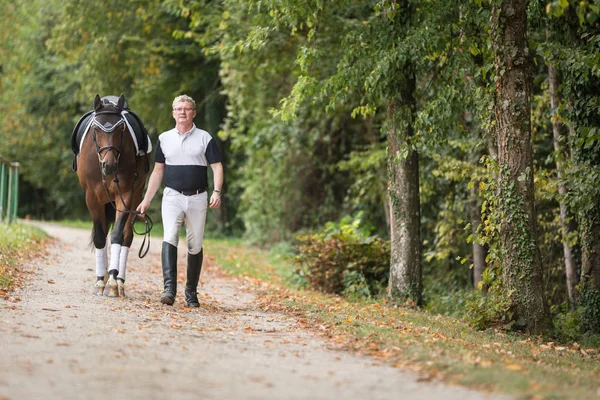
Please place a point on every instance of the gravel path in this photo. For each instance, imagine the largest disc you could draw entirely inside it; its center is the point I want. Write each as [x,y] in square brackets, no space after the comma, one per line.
[57,341]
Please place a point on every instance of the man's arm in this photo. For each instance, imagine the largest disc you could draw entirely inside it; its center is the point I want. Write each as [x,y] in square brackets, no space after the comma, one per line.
[215,198]
[154,184]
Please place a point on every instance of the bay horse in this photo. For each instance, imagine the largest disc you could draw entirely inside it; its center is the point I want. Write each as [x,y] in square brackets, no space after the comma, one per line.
[112,172]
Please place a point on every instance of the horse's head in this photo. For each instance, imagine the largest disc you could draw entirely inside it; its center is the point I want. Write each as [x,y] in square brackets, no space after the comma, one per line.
[108,129]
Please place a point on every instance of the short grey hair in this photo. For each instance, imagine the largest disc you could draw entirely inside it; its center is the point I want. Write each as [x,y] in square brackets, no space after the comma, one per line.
[186,98]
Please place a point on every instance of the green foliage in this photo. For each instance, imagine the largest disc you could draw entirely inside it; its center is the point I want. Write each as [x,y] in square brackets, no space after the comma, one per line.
[449,302]
[355,285]
[492,309]
[587,11]
[344,259]
[567,326]
[367,192]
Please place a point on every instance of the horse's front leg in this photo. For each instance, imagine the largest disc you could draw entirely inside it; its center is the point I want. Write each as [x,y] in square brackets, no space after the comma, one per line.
[127,240]
[99,235]
[101,265]
[133,199]
[118,257]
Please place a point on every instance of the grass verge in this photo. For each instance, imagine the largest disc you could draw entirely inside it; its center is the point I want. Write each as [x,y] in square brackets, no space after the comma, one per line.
[18,243]
[436,347]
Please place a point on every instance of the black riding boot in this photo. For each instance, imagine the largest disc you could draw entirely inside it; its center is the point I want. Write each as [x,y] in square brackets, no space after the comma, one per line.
[169,267]
[194,266]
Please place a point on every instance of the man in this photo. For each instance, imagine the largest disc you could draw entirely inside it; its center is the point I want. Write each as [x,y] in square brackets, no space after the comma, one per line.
[182,157]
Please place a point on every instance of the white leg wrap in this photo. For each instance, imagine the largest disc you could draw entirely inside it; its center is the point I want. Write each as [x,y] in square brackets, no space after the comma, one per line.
[101,261]
[123,262]
[115,253]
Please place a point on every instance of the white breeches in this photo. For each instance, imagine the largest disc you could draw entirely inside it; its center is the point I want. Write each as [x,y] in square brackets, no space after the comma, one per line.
[191,210]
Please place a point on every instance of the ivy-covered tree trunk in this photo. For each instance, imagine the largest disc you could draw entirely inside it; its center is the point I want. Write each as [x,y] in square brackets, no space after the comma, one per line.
[590,247]
[558,131]
[522,272]
[585,119]
[403,172]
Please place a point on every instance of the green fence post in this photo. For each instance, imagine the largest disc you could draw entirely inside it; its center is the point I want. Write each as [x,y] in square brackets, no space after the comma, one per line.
[15,192]
[10,195]
[3,182]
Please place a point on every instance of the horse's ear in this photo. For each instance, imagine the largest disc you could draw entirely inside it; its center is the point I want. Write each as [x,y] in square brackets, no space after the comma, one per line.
[97,102]
[121,101]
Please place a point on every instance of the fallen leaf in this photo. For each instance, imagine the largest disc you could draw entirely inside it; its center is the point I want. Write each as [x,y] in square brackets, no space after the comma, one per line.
[514,367]
[26,335]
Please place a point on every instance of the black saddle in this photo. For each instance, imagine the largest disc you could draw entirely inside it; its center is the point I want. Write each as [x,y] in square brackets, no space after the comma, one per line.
[139,130]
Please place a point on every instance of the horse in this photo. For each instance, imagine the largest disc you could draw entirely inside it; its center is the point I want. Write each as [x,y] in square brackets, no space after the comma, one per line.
[112,172]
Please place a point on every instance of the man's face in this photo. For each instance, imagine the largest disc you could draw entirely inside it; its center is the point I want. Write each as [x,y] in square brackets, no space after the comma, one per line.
[183,112]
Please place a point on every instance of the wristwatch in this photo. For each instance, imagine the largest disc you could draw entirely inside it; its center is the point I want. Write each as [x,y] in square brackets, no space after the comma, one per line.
[217,191]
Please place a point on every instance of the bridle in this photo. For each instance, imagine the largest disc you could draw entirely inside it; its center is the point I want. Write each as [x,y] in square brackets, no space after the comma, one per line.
[100,150]
[110,128]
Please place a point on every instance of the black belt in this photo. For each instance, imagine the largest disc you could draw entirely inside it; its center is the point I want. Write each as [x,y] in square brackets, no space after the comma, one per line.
[191,192]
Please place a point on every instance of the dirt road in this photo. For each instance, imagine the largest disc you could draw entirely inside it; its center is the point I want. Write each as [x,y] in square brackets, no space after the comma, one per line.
[57,341]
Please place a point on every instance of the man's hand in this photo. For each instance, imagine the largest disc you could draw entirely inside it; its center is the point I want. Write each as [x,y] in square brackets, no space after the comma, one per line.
[144,205]
[215,200]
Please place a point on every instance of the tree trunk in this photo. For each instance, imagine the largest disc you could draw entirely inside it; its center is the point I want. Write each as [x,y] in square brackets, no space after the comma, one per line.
[522,272]
[558,130]
[479,252]
[403,171]
[590,247]
[387,209]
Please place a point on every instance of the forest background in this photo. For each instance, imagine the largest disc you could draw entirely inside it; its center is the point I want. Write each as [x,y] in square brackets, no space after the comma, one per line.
[443,153]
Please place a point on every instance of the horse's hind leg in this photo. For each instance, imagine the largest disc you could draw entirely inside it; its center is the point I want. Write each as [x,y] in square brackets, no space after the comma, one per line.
[122,270]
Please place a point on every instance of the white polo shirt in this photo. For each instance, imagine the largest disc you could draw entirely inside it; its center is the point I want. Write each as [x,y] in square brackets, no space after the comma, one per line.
[186,157]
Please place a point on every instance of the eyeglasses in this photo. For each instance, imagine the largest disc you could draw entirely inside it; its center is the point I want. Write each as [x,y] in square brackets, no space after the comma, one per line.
[183,109]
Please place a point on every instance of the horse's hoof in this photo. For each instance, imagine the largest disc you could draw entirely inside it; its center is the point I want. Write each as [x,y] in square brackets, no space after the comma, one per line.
[121,288]
[98,288]
[111,289]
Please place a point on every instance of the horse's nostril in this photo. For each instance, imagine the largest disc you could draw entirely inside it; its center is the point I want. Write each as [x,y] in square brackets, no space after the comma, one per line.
[109,169]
